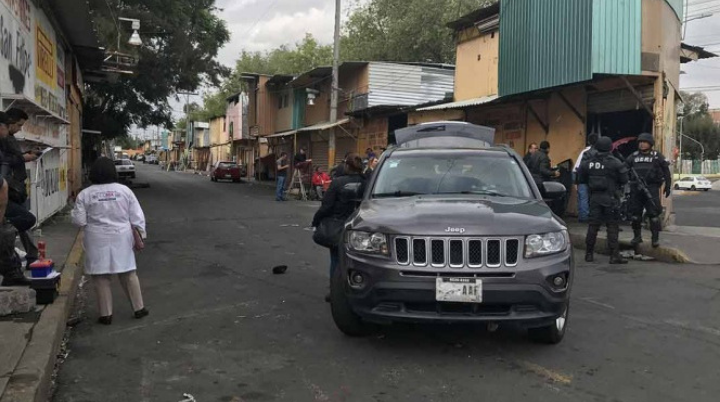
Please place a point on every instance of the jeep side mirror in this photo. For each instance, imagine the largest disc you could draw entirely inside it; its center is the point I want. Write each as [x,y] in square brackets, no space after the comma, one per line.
[554,190]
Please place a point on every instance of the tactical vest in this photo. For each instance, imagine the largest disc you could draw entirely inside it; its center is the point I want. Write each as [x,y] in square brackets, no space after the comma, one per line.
[598,174]
[648,166]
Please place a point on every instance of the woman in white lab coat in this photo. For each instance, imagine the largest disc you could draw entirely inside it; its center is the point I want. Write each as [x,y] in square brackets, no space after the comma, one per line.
[114,227]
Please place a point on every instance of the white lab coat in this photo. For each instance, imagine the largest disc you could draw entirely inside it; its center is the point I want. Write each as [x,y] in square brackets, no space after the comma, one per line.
[108,213]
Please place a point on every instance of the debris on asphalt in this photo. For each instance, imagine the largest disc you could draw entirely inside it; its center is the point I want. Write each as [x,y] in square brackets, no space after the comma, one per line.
[280,269]
[188,398]
[288,225]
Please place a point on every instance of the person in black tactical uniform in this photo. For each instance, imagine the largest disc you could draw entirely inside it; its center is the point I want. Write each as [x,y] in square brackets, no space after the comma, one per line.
[652,171]
[604,175]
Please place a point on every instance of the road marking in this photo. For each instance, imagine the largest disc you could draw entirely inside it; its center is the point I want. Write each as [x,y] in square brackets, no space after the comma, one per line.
[691,327]
[547,373]
[597,303]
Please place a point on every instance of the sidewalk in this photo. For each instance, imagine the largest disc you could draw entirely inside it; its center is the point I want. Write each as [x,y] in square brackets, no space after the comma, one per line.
[678,244]
[29,343]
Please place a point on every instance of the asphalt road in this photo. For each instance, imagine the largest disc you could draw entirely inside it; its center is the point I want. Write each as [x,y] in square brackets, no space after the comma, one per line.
[223,328]
[701,209]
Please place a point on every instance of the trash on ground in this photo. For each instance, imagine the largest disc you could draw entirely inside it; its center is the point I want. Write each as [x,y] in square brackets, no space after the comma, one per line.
[280,269]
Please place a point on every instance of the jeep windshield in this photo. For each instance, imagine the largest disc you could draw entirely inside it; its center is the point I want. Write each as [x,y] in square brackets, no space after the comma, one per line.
[411,173]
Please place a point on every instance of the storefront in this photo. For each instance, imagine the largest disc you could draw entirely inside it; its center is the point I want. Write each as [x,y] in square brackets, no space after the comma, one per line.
[32,78]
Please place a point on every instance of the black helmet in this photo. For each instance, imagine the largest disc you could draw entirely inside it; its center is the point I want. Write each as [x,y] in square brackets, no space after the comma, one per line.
[645,137]
[603,144]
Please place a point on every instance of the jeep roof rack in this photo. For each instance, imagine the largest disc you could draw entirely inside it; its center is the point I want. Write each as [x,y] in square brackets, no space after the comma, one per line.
[445,134]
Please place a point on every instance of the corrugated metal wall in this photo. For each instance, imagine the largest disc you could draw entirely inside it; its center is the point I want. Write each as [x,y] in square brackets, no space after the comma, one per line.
[407,85]
[678,7]
[544,44]
[617,36]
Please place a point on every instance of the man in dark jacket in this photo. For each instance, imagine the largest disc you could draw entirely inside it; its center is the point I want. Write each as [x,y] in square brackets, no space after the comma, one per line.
[17,213]
[540,166]
[532,148]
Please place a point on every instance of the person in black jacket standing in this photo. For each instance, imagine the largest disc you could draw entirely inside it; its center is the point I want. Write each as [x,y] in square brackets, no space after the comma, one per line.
[540,166]
[650,171]
[339,202]
[604,175]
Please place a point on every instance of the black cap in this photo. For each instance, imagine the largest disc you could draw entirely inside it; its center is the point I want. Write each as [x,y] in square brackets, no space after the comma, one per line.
[646,137]
[603,144]
[544,145]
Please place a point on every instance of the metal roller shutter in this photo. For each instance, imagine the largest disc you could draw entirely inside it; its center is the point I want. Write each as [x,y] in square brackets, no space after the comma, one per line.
[343,145]
[619,100]
[319,152]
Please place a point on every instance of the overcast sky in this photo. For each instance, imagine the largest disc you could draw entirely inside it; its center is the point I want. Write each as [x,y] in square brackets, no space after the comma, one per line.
[260,25]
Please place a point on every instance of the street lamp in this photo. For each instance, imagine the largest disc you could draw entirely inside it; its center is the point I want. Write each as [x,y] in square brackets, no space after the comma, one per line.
[135,37]
[702,149]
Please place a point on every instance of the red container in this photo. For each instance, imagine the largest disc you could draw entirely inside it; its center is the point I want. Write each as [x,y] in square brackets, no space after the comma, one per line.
[41,268]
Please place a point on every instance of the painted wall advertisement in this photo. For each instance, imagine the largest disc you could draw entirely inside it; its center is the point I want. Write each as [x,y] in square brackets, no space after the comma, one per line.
[32,65]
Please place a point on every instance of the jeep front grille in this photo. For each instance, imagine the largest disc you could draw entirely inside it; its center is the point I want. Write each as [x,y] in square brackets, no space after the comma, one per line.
[456,252]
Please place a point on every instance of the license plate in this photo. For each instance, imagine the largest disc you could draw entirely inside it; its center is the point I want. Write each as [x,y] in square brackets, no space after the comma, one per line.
[227,176]
[462,290]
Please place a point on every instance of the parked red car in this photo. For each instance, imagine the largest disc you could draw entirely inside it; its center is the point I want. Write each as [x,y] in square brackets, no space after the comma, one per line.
[226,171]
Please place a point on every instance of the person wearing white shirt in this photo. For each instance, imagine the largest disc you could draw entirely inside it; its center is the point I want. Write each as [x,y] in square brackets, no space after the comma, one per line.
[114,226]
[582,189]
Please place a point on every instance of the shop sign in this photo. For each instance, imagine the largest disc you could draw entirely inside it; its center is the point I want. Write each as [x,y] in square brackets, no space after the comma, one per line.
[16,47]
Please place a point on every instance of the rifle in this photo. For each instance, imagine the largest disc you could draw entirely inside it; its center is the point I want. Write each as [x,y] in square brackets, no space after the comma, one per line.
[643,186]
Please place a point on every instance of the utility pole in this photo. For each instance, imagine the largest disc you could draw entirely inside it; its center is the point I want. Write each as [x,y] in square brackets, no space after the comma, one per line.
[335,84]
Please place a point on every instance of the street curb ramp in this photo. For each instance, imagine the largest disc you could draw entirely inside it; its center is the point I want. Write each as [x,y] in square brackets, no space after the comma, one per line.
[662,253]
[31,379]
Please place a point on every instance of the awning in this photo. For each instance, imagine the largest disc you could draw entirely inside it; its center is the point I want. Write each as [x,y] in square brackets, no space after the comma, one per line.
[29,106]
[323,126]
[461,104]
[283,134]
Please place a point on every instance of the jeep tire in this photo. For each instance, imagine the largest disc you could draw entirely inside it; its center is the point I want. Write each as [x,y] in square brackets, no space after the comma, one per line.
[347,321]
[551,334]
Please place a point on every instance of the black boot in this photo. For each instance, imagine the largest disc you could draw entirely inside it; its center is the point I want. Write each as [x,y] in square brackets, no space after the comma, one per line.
[655,229]
[143,312]
[616,258]
[106,320]
[637,232]
[589,256]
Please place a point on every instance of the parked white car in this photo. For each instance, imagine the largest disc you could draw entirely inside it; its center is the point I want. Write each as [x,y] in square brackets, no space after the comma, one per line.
[125,168]
[693,183]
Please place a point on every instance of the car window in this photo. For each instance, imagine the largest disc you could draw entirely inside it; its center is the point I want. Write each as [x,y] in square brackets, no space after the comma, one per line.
[451,172]
[702,178]
[226,165]
[127,162]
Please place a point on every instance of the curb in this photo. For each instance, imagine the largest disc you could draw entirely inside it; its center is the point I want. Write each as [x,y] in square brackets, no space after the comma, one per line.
[30,381]
[662,254]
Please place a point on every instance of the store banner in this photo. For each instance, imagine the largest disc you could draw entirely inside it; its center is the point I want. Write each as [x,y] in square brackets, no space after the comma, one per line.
[17,61]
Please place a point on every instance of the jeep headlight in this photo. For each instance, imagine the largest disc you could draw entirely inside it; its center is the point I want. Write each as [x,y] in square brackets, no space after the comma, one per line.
[367,242]
[545,244]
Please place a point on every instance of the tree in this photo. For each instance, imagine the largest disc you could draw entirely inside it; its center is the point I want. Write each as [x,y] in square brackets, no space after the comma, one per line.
[181,39]
[698,125]
[404,30]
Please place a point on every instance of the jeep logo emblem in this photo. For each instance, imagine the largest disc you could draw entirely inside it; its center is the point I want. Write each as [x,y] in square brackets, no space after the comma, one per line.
[455,230]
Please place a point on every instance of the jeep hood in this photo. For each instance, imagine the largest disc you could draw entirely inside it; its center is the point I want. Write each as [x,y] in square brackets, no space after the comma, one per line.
[456,216]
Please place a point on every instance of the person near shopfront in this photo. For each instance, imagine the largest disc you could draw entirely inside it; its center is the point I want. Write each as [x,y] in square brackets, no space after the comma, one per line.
[649,171]
[604,175]
[10,265]
[540,166]
[17,212]
[339,203]
[114,225]
[532,148]
[281,176]
[301,157]
[319,180]
[582,189]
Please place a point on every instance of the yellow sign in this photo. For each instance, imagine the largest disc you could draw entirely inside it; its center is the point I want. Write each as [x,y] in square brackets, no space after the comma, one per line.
[63,178]
[45,69]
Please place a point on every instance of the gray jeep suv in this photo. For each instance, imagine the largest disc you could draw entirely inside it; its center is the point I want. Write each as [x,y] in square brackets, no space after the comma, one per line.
[453,229]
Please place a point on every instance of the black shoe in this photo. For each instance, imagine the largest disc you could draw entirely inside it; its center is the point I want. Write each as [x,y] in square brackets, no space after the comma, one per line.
[19,281]
[143,312]
[327,298]
[617,260]
[656,243]
[636,241]
[106,320]
[589,257]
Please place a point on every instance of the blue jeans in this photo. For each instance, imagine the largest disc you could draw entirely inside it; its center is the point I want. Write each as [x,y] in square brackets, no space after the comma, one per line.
[280,188]
[583,202]
[334,259]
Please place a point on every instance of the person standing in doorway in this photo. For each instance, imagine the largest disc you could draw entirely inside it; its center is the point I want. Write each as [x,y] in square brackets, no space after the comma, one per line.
[114,226]
[540,166]
[10,265]
[282,171]
[649,170]
[17,213]
[604,175]
[582,189]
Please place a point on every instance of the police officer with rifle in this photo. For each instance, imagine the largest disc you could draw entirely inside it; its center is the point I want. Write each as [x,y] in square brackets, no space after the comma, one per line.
[604,175]
[648,171]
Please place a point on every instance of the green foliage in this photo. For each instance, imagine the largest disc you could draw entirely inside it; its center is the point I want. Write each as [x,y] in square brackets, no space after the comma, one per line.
[127,142]
[404,30]
[698,124]
[181,39]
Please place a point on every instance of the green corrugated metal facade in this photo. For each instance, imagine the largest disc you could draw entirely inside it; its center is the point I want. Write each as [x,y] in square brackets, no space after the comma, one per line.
[678,6]
[617,36]
[551,43]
